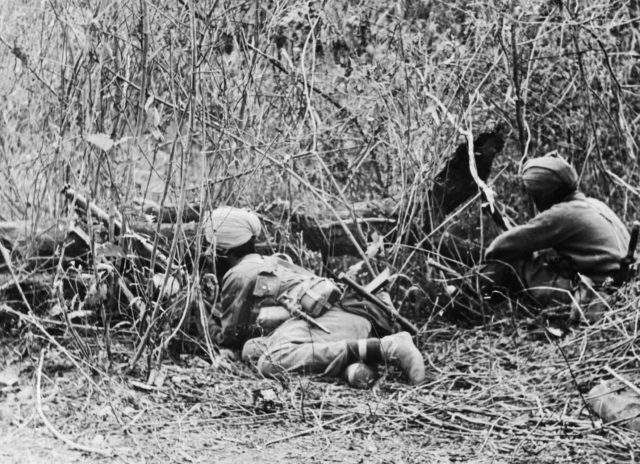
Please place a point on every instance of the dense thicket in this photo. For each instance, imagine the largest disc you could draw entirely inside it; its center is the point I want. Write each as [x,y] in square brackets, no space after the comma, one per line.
[315,108]
[248,102]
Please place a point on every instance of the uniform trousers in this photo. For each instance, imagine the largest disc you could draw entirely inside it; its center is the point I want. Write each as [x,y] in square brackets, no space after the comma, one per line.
[298,347]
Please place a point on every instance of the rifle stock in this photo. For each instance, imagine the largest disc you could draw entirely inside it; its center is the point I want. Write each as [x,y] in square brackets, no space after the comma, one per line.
[391,312]
[625,272]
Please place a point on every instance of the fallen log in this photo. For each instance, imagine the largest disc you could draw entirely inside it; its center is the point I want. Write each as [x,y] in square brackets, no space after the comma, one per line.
[168,213]
[38,289]
[38,247]
[453,185]
[142,246]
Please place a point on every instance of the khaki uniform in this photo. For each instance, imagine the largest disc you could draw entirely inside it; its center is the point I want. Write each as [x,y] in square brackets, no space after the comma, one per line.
[296,345]
[585,236]
[240,305]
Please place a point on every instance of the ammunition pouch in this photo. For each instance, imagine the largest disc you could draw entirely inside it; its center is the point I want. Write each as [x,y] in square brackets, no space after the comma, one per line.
[316,295]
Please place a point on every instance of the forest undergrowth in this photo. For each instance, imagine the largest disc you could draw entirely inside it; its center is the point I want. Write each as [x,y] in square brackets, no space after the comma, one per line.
[114,113]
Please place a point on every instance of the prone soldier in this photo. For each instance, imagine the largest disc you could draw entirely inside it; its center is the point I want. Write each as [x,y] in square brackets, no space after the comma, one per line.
[344,331]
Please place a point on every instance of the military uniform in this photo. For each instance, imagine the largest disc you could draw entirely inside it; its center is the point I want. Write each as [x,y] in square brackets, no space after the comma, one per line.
[585,235]
[256,284]
[295,346]
[241,300]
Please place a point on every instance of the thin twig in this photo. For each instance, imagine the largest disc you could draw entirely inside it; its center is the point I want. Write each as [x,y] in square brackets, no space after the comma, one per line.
[70,443]
[622,379]
[307,431]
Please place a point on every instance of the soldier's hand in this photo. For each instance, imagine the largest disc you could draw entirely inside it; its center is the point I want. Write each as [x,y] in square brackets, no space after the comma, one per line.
[228,355]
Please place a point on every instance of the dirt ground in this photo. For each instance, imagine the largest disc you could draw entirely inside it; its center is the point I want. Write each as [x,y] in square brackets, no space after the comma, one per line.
[202,432]
[195,428]
[490,397]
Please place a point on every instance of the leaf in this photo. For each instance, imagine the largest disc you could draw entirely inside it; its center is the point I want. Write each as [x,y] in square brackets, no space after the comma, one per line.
[80,313]
[148,103]
[155,116]
[521,420]
[374,247]
[160,377]
[555,331]
[102,411]
[136,385]
[9,376]
[56,310]
[102,141]
[110,250]
[157,135]
[171,287]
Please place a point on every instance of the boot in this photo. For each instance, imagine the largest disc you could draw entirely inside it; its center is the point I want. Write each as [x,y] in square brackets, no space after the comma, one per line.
[360,375]
[400,348]
[254,348]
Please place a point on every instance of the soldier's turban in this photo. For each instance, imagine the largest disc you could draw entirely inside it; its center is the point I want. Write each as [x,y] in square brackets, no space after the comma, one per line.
[549,179]
[227,227]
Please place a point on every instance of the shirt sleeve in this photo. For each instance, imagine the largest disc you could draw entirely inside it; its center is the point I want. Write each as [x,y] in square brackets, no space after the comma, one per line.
[545,230]
[235,308]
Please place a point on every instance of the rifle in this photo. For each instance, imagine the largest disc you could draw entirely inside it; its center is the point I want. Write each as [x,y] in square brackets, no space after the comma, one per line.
[626,270]
[390,311]
[83,207]
[491,207]
[294,310]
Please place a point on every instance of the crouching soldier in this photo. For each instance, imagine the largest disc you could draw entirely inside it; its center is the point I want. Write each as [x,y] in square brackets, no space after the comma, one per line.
[259,289]
[571,235]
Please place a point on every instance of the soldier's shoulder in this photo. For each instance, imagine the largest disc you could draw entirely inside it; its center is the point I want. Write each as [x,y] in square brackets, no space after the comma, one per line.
[568,207]
[249,265]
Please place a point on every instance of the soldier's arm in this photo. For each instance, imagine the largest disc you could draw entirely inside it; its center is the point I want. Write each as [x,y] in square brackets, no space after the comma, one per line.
[235,309]
[545,230]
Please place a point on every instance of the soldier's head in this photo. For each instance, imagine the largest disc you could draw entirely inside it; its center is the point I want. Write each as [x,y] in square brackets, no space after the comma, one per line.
[231,232]
[548,180]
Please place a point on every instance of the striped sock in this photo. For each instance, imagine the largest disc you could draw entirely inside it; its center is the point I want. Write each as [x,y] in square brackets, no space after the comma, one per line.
[367,350]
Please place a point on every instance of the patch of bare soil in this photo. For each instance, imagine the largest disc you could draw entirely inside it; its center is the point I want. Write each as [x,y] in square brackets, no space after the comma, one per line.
[493,394]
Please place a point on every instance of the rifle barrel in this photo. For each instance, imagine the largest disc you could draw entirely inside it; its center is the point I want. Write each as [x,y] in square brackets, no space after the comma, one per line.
[633,241]
[624,274]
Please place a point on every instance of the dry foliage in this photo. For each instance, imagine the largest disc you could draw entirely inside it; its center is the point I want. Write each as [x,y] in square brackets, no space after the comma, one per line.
[315,105]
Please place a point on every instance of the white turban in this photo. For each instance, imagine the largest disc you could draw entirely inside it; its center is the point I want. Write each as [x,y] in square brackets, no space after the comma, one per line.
[227,227]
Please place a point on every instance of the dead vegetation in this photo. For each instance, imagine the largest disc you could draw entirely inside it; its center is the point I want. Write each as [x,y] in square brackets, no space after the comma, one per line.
[501,392]
[336,120]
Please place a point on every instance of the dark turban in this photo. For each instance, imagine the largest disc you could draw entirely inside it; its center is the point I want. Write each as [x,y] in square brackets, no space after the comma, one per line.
[548,180]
